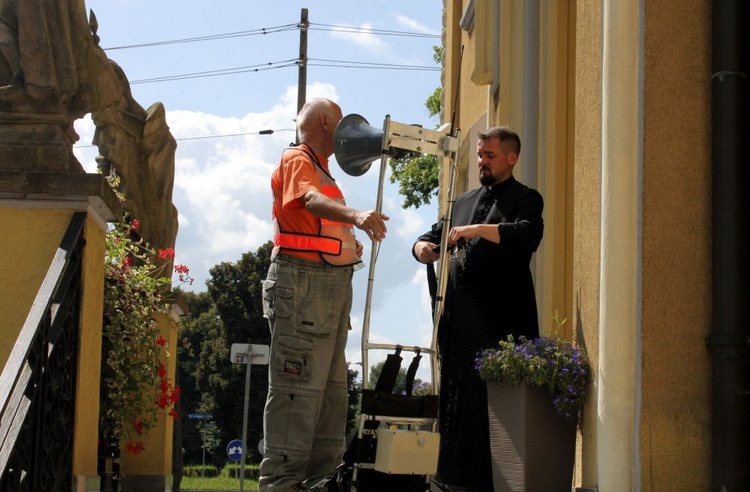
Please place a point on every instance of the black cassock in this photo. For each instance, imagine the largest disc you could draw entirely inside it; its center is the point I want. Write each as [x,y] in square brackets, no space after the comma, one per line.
[490,295]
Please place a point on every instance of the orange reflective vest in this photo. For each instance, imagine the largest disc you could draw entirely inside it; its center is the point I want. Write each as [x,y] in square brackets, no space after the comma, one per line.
[335,241]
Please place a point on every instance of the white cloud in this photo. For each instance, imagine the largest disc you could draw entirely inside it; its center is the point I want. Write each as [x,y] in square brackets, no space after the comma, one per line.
[410,224]
[412,25]
[363,36]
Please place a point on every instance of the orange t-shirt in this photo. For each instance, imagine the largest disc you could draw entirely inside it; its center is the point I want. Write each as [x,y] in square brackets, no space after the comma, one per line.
[294,177]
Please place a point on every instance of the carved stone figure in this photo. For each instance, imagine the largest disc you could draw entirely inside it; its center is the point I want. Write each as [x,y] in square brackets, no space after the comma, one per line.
[52,72]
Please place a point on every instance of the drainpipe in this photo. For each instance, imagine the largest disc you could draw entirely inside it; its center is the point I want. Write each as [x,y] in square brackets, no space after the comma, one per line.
[728,341]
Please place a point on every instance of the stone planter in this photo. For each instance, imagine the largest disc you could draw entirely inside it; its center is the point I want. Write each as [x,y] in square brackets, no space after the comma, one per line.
[533,447]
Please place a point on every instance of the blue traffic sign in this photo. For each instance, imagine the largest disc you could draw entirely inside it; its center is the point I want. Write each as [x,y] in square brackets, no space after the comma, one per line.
[235,450]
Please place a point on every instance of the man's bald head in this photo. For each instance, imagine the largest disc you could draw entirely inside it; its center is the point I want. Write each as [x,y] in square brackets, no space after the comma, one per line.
[316,124]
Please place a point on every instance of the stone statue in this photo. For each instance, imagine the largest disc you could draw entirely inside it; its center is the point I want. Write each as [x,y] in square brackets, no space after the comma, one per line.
[52,72]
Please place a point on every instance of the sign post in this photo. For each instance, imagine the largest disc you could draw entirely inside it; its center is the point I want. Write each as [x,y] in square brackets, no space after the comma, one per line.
[243,353]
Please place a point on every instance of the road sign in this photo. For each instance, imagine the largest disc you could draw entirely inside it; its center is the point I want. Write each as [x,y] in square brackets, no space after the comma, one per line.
[258,354]
[200,416]
[235,450]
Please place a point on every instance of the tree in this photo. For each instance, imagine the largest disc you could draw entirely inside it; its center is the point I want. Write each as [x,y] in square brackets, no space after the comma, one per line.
[230,312]
[417,177]
[199,327]
[355,391]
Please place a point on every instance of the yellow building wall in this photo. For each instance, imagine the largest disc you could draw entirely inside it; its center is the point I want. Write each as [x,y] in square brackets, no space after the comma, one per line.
[30,239]
[673,386]
[675,430]
[156,459]
[90,353]
[27,254]
[587,215]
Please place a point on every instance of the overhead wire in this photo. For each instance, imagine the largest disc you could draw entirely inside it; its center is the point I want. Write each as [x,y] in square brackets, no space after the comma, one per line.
[320,62]
[213,37]
[368,30]
[293,62]
[205,137]
[284,63]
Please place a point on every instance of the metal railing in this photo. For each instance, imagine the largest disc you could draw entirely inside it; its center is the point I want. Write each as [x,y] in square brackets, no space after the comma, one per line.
[38,383]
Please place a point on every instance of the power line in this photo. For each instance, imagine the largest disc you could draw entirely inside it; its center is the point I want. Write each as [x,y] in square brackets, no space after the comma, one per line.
[223,71]
[369,65]
[319,62]
[275,30]
[368,30]
[261,132]
[213,37]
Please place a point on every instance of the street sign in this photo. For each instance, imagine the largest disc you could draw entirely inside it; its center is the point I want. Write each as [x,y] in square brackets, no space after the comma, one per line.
[258,354]
[200,416]
[235,450]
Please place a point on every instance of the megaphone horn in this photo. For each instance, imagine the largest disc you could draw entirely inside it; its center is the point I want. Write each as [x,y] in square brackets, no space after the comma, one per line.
[356,144]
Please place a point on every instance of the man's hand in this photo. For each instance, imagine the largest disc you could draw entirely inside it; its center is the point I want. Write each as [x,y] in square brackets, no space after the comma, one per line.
[373,223]
[360,248]
[425,251]
[489,232]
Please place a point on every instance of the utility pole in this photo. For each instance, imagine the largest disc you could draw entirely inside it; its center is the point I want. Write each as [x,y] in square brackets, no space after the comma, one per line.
[302,79]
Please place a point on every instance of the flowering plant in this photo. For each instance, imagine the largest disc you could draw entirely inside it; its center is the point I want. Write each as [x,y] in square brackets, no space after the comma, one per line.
[550,362]
[136,387]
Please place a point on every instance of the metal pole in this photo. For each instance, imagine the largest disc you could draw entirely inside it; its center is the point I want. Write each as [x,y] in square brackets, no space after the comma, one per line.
[374,255]
[244,417]
[302,75]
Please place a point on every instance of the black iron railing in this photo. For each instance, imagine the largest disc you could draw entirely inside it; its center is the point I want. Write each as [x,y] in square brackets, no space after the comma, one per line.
[38,384]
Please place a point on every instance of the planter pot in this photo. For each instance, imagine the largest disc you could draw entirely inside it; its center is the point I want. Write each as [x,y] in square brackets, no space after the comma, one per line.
[533,447]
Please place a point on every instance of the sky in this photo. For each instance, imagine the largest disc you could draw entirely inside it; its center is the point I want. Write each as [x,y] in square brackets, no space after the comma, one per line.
[244,53]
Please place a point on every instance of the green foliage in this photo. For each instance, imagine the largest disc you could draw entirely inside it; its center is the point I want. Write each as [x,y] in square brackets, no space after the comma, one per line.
[354,391]
[226,480]
[419,388]
[548,361]
[417,177]
[137,287]
[399,388]
[437,54]
[233,470]
[230,312]
[200,471]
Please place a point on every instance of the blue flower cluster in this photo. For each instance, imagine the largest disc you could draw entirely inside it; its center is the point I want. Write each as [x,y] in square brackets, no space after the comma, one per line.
[546,361]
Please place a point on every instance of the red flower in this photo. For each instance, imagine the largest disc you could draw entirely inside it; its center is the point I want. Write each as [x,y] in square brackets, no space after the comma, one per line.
[161,341]
[166,253]
[135,224]
[138,426]
[163,400]
[134,447]
[174,414]
[127,261]
[162,371]
[175,395]
[180,268]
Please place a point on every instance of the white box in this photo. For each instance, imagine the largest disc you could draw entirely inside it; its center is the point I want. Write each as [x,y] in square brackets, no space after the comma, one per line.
[404,452]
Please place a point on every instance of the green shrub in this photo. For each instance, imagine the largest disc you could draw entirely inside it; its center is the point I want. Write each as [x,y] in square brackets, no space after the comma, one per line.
[195,471]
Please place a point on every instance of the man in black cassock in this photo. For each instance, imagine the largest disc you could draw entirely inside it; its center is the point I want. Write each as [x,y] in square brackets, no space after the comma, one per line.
[490,295]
